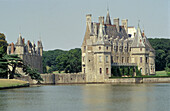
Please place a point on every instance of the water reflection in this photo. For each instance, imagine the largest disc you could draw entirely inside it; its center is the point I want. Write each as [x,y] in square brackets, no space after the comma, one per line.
[89,97]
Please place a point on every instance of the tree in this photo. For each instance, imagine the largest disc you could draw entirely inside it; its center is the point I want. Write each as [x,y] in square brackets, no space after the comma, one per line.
[3,66]
[13,61]
[3,43]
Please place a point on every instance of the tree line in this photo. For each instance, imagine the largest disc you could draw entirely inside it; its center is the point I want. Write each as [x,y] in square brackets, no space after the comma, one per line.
[59,60]
[162,52]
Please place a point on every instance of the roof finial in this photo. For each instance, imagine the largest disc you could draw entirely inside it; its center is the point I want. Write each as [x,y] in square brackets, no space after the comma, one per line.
[138,23]
[107,6]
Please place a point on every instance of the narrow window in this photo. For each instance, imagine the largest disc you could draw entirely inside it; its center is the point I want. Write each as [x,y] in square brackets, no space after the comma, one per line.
[127,59]
[107,48]
[99,48]
[117,59]
[107,70]
[151,68]
[140,59]
[122,59]
[146,59]
[100,58]
[116,48]
[107,59]
[112,59]
[100,70]
[84,70]
[84,48]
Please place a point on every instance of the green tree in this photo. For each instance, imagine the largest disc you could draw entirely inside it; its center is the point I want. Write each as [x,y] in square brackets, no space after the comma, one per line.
[3,43]
[3,66]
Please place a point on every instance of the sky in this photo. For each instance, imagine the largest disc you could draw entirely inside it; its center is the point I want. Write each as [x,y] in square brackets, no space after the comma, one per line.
[61,24]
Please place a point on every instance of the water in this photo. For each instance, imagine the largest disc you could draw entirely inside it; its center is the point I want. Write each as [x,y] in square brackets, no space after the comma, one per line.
[88,97]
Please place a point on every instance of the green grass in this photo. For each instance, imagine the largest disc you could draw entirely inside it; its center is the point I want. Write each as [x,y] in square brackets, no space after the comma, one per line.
[161,73]
[56,72]
[11,83]
[158,74]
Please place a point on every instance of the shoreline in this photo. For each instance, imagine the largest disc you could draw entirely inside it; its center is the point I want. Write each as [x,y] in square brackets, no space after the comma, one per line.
[13,83]
[19,86]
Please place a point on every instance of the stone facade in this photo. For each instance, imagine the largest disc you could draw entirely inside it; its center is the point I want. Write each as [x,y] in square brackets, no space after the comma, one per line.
[107,44]
[28,52]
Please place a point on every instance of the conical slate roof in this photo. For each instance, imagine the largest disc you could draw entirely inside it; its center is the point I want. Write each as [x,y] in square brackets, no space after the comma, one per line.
[147,43]
[108,21]
[20,41]
[87,35]
[138,40]
[101,35]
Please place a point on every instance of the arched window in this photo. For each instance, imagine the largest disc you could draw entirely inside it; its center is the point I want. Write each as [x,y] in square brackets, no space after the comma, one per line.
[100,70]
[107,70]
[99,48]
[107,47]
[141,70]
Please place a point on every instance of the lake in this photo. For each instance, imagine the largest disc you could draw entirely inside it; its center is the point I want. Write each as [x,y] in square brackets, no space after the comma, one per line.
[88,97]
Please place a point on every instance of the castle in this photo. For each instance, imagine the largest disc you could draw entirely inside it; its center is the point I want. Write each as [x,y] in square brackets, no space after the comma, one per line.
[106,45]
[29,53]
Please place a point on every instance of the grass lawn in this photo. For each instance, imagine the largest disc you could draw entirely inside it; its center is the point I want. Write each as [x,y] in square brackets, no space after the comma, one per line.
[11,83]
[56,72]
[161,73]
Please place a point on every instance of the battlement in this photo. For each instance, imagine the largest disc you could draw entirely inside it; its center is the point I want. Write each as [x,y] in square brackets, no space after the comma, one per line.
[29,48]
[28,52]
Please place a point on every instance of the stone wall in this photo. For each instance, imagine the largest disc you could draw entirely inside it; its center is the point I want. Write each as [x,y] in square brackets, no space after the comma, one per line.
[67,78]
[138,80]
[63,78]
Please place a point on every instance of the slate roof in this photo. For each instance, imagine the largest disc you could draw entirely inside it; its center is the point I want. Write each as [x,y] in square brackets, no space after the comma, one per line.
[19,41]
[87,35]
[138,39]
[108,21]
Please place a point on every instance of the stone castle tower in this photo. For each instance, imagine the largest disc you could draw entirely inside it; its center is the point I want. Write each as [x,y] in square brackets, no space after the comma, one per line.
[106,44]
[28,52]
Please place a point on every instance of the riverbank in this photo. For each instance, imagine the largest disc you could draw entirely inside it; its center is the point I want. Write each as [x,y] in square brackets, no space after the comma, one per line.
[12,83]
[81,79]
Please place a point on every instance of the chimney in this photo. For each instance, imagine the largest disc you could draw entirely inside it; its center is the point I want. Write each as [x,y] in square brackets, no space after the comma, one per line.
[38,43]
[88,21]
[116,22]
[12,48]
[125,24]
[23,40]
[143,33]
[101,20]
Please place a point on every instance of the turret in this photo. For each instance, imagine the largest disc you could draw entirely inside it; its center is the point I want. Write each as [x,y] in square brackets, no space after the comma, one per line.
[19,46]
[40,47]
[102,53]
[88,21]
[108,21]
